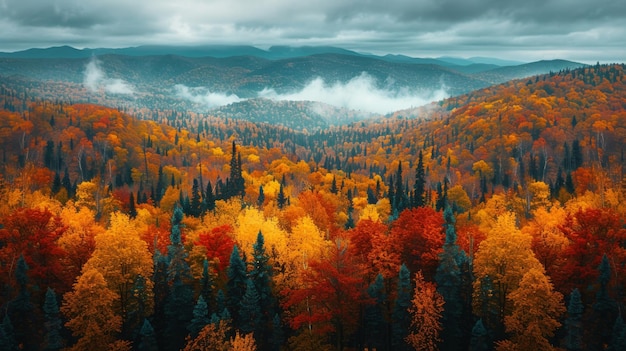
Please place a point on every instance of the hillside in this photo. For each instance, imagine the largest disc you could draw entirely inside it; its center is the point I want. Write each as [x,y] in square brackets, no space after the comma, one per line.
[511,197]
[141,79]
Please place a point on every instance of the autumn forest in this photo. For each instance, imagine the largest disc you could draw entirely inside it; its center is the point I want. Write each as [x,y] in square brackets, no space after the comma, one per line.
[493,220]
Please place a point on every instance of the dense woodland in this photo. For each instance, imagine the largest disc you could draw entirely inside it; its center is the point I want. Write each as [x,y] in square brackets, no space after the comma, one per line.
[492,221]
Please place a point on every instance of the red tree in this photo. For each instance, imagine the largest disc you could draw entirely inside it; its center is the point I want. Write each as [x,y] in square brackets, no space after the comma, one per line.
[418,235]
[219,244]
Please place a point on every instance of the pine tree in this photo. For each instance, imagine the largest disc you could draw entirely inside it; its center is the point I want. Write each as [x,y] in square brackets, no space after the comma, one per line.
[236,285]
[604,310]
[195,205]
[200,317]
[480,338]
[278,337]
[261,198]
[53,325]
[7,335]
[419,189]
[21,308]
[333,186]
[179,305]
[250,309]
[281,200]
[618,338]
[573,323]
[206,284]
[450,286]
[209,198]
[261,276]
[132,210]
[374,319]
[400,315]
[147,338]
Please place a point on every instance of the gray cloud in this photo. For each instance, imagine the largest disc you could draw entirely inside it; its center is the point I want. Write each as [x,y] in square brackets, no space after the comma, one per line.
[95,79]
[530,29]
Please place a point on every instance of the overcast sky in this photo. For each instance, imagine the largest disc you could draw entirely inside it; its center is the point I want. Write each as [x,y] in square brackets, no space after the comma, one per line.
[581,30]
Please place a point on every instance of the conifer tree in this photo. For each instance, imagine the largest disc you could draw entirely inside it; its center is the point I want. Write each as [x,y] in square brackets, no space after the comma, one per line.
[604,310]
[236,285]
[278,336]
[281,200]
[7,335]
[179,305]
[618,337]
[21,308]
[206,284]
[53,325]
[200,317]
[195,205]
[132,210]
[250,309]
[573,323]
[419,189]
[261,198]
[480,340]
[147,338]
[209,198]
[450,286]
[375,325]
[261,276]
[400,315]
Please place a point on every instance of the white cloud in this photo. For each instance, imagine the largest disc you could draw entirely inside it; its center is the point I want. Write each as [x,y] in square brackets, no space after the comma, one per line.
[360,93]
[95,79]
[203,96]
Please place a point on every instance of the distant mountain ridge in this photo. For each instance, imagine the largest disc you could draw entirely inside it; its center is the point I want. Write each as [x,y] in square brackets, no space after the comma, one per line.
[147,76]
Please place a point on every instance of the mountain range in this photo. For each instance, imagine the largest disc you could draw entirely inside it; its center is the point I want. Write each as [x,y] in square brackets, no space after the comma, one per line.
[213,76]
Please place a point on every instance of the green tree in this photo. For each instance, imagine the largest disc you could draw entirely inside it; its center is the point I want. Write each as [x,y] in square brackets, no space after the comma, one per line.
[400,316]
[236,285]
[573,323]
[450,286]
[7,335]
[374,319]
[200,317]
[147,338]
[250,309]
[53,325]
[179,305]
[419,188]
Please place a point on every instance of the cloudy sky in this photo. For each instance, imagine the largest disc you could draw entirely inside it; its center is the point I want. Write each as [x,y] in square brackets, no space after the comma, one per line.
[581,30]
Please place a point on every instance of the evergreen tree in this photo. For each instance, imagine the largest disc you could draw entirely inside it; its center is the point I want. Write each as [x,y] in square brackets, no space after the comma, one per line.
[160,290]
[480,338]
[206,284]
[618,338]
[209,198]
[53,325]
[261,198]
[21,309]
[147,338]
[400,315]
[281,200]
[333,186]
[442,195]
[250,310]
[604,310]
[179,305]
[261,275]
[450,285]
[278,336]
[200,317]
[56,183]
[220,301]
[132,210]
[419,189]
[573,323]
[235,286]
[375,325]
[195,205]
[7,335]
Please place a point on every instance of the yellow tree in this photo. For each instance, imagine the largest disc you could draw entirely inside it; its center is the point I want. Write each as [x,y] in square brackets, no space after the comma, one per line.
[536,312]
[499,265]
[79,238]
[426,309]
[89,311]
[127,267]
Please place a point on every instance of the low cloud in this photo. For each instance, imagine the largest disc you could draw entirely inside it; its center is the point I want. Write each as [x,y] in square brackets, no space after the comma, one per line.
[95,80]
[360,93]
[204,97]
